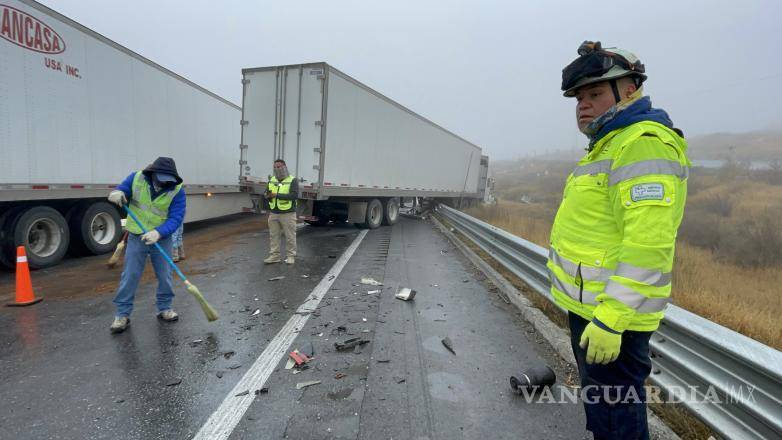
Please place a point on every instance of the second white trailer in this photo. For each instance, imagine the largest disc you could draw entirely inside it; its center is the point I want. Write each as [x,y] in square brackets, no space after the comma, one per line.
[355,151]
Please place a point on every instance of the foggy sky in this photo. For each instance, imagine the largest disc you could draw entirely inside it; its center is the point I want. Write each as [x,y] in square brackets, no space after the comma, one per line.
[489,71]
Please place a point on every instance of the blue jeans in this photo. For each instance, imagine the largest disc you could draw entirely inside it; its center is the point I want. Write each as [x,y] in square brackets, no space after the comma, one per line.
[135,259]
[177,236]
[609,391]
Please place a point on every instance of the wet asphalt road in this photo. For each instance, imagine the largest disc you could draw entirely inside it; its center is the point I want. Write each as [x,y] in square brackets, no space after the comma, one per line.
[65,376]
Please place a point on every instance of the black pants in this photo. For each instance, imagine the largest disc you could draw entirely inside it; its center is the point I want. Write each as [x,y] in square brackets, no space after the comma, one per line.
[614,395]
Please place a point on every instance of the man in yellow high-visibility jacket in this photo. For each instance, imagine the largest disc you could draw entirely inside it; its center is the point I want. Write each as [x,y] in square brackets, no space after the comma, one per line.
[282,193]
[612,242]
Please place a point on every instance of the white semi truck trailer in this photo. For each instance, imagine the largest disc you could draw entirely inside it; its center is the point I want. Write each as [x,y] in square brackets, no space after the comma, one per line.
[78,113]
[355,152]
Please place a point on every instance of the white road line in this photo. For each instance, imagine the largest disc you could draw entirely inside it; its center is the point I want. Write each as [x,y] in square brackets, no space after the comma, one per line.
[224,420]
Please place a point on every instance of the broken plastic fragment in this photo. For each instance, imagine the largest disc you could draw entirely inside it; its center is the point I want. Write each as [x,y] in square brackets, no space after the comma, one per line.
[371,282]
[310,383]
[448,344]
[350,343]
[405,294]
[277,278]
[299,358]
[257,311]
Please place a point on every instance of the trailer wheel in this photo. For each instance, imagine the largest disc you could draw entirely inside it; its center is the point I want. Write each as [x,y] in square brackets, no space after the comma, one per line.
[391,211]
[44,233]
[7,250]
[374,215]
[95,228]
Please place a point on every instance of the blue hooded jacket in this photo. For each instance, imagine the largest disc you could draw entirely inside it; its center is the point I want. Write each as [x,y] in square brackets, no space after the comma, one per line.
[176,211]
[640,110]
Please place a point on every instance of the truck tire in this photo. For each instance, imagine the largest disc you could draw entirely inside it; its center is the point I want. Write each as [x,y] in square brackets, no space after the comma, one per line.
[374,215]
[7,251]
[95,228]
[391,211]
[43,232]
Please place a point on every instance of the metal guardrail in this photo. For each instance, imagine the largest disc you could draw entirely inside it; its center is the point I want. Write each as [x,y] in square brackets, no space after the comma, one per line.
[736,381]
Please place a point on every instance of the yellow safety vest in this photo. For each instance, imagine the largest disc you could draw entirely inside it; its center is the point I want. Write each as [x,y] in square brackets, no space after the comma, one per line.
[612,242]
[276,187]
[152,213]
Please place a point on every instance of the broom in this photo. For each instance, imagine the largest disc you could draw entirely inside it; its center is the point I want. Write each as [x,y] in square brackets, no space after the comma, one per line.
[118,251]
[211,313]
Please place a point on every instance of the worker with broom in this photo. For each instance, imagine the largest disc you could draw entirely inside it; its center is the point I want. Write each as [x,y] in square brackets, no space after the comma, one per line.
[155,196]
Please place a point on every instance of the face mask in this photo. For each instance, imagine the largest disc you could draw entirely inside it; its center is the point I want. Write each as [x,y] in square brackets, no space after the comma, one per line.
[281,173]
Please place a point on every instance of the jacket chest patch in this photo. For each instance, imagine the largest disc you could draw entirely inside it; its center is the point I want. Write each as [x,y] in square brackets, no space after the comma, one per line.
[647,191]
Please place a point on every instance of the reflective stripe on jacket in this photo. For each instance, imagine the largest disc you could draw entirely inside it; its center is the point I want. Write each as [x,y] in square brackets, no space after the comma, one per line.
[612,242]
[152,213]
[284,188]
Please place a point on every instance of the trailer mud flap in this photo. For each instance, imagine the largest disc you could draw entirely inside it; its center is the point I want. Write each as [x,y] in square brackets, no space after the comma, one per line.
[357,212]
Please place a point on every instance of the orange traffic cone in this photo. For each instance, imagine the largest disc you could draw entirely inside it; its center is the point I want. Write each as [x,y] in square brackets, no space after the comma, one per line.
[24,287]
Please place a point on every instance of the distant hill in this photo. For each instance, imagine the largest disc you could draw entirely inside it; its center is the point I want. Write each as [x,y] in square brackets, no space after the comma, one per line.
[755,145]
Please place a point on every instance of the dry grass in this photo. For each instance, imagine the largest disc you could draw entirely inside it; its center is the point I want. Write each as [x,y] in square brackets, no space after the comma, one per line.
[728,256]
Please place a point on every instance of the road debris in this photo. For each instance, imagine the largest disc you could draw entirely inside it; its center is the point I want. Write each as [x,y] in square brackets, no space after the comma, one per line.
[372,292]
[174,382]
[243,393]
[405,294]
[263,390]
[533,379]
[310,383]
[234,366]
[370,282]
[219,374]
[277,278]
[256,312]
[448,344]
[398,379]
[350,343]
[299,358]
[228,354]
[305,276]
[308,349]
[340,375]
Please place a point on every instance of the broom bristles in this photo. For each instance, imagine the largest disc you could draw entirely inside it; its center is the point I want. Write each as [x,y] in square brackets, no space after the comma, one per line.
[115,256]
[209,311]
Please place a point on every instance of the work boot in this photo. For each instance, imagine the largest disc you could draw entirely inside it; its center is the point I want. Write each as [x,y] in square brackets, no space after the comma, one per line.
[271,260]
[120,324]
[290,260]
[168,315]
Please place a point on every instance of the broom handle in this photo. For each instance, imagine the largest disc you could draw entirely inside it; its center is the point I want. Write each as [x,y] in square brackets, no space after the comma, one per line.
[165,255]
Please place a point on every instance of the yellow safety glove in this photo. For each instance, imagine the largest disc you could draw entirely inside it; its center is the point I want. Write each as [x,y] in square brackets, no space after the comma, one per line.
[602,345]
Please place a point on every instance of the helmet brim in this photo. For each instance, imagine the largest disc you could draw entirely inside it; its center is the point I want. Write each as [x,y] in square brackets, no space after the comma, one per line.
[611,74]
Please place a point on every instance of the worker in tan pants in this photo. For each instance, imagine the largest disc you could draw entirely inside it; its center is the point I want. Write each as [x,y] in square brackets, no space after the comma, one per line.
[281,193]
